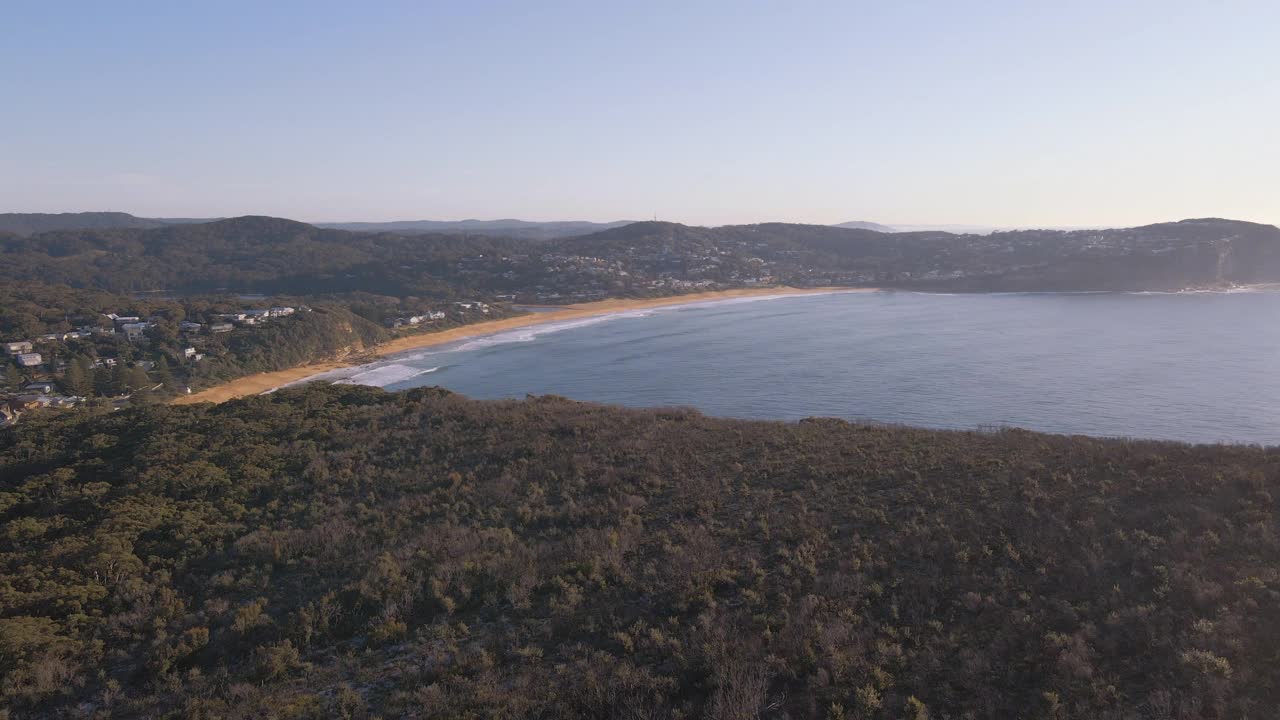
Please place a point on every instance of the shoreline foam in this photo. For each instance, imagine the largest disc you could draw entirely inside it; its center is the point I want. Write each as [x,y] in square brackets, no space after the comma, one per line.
[259,383]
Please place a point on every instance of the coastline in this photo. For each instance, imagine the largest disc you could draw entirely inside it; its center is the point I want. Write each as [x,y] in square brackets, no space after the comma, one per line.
[263,382]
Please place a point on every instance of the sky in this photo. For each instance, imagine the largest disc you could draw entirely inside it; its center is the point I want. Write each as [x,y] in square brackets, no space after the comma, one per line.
[1008,113]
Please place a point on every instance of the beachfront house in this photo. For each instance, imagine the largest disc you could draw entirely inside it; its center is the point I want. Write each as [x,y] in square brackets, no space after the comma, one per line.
[30,359]
[17,348]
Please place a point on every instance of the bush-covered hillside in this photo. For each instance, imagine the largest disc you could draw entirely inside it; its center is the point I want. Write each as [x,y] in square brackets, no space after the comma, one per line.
[338,552]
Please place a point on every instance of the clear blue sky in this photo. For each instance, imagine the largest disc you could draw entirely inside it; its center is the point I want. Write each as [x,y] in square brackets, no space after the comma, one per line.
[1007,113]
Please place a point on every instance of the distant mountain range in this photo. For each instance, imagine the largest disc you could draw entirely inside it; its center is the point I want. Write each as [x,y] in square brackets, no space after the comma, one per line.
[273,255]
[864,225]
[508,228]
[34,223]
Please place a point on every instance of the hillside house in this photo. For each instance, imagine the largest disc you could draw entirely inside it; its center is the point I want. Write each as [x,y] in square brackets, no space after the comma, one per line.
[17,348]
[30,359]
[220,327]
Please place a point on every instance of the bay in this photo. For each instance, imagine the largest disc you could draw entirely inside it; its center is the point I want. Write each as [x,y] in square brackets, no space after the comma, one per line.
[1198,367]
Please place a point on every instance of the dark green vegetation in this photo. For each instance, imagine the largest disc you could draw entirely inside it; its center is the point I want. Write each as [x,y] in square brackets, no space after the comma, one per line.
[274,256]
[344,552]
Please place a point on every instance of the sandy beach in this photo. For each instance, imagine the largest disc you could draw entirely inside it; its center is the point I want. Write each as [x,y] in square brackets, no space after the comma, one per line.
[262,382]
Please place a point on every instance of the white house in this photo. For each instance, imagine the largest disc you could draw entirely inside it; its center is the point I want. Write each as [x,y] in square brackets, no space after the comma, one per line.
[30,359]
[16,348]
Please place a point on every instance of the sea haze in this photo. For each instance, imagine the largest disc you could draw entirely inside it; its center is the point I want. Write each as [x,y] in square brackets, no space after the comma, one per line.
[1200,367]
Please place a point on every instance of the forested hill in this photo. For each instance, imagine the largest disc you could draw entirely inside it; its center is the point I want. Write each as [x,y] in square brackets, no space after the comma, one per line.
[31,223]
[272,255]
[338,551]
[1165,256]
[522,229]
[249,253]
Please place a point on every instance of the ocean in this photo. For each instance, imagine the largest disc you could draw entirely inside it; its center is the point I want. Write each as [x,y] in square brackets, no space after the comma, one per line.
[1197,367]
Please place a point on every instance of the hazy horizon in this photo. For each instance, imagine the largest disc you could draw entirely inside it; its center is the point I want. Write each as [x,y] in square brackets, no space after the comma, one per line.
[899,227]
[1004,115]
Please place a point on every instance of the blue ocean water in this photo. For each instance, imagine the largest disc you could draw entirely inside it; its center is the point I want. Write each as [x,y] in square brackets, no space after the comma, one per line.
[1200,367]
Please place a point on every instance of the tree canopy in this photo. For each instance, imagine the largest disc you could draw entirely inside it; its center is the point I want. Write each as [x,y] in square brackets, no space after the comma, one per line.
[338,551]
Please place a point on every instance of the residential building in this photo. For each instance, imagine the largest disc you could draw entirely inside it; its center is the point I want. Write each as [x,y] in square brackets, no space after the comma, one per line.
[16,348]
[30,359]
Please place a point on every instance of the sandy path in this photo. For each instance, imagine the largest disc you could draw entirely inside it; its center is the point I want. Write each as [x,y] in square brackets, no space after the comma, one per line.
[262,382]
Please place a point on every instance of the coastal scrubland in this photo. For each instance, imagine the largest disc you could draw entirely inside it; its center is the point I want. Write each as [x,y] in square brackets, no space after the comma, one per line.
[343,552]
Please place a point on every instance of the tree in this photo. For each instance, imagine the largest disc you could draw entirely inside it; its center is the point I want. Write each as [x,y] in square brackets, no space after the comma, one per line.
[164,374]
[78,380]
[12,376]
[135,379]
[109,382]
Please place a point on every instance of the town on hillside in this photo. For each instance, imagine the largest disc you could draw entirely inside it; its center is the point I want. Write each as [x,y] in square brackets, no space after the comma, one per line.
[115,359]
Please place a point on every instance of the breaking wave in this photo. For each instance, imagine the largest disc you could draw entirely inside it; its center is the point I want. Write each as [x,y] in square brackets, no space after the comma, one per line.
[385,375]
